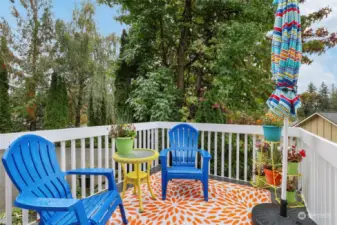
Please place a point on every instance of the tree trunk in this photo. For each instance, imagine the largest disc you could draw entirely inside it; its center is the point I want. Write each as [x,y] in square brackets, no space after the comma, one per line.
[79,106]
[183,44]
[32,82]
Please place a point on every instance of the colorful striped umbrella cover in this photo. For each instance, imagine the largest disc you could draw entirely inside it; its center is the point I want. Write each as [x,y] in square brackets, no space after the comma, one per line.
[286,59]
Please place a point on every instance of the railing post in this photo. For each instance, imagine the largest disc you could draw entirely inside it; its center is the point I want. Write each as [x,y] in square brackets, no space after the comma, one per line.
[8,200]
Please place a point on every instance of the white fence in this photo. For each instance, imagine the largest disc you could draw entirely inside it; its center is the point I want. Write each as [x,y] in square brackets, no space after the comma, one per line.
[319,182]
[231,147]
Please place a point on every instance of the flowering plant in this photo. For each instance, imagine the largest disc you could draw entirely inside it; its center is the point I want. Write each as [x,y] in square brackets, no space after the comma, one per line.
[123,130]
[292,184]
[294,156]
[272,120]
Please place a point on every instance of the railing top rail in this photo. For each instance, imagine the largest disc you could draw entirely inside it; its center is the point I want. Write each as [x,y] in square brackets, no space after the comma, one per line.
[227,128]
[323,147]
[86,132]
[68,134]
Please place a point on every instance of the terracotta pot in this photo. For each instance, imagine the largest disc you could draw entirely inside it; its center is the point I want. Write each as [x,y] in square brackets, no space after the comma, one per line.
[273,177]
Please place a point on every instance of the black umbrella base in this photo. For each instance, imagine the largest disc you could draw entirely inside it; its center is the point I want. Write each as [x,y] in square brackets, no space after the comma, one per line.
[269,214]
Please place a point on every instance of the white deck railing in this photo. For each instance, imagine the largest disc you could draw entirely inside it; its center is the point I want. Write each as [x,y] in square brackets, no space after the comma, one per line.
[231,147]
[319,181]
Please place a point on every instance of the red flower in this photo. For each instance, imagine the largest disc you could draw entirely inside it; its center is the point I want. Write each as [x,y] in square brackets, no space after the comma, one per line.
[302,153]
[215,106]
[3,66]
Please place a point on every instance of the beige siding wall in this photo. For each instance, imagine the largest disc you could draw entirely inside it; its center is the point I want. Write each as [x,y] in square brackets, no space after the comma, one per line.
[321,127]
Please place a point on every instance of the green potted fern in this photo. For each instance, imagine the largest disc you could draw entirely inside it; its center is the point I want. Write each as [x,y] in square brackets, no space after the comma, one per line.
[124,134]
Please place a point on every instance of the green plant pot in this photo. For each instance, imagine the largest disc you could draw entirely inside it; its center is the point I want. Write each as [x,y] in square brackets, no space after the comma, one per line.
[260,181]
[272,133]
[291,197]
[292,168]
[124,145]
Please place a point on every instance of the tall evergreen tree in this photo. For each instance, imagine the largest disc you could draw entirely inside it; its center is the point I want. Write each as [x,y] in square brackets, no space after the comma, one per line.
[124,74]
[56,113]
[97,113]
[312,88]
[323,96]
[333,99]
[5,115]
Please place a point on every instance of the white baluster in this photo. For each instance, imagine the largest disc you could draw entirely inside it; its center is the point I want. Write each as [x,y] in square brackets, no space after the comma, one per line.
[254,155]
[8,199]
[73,166]
[246,158]
[63,155]
[238,156]
[222,154]
[25,217]
[83,185]
[157,144]
[99,163]
[113,150]
[106,156]
[230,156]
[92,152]
[215,153]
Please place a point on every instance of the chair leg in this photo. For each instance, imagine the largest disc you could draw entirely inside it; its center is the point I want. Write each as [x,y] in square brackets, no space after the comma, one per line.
[164,182]
[205,189]
[121,208]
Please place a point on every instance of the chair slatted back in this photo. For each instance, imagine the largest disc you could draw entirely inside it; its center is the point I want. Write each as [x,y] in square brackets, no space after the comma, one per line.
[184,144]
[32,165]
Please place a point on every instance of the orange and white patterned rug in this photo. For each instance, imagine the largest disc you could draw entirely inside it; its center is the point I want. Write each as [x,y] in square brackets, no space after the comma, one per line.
[228,204]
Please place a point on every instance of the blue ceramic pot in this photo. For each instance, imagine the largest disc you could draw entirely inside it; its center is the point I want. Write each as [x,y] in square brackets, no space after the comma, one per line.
[272,133]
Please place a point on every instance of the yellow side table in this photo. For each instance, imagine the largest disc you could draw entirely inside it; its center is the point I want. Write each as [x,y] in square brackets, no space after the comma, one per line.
[137,157]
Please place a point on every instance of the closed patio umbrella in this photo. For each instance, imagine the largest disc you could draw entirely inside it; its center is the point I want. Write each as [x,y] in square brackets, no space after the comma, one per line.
[286,61]
[284,101]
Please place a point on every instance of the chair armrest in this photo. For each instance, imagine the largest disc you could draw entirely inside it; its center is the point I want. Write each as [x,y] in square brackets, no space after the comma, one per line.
[108,173]
[46,204]
[163,157]
[163,153]
[205,154]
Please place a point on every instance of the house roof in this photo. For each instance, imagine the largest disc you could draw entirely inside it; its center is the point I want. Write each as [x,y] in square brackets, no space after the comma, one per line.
[330,116]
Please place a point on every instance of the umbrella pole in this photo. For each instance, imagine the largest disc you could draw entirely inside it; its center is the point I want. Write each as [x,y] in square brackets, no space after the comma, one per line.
[283,207]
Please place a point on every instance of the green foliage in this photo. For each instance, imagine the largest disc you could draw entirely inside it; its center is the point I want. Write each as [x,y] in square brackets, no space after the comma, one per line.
[322,100]
[209,110]
[5,113]
[56,110]
[126,71]
[155,97]
[97,113]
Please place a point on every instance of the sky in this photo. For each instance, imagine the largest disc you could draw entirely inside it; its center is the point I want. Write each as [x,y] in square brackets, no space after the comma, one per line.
[324,67]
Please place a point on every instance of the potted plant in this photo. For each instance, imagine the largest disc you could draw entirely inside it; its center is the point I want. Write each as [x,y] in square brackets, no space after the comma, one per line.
[273,177]
[124,134]
[260,178]
[272,127]
[294,158]
[291,189]
[262,150]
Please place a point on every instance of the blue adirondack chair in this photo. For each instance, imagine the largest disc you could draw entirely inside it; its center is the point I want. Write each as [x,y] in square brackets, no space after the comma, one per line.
[32,165]
[183,149]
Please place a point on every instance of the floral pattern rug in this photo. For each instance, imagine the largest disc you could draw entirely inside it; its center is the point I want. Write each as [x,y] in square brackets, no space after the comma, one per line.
[228,204]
